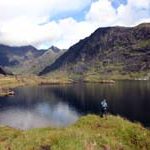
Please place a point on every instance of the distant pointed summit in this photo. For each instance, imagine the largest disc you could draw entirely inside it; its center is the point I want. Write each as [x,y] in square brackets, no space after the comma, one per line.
[55,49]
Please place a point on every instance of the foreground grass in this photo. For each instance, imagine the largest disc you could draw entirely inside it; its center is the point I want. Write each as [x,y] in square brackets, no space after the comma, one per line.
[89,133]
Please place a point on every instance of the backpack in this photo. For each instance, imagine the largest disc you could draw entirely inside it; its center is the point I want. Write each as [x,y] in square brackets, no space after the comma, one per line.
[104,104]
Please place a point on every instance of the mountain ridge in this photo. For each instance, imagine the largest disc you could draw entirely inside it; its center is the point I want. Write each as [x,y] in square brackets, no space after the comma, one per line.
[108,48]
[26,59]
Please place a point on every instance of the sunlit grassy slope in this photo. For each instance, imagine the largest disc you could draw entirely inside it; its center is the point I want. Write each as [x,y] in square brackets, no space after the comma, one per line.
[89,133]
[14,81]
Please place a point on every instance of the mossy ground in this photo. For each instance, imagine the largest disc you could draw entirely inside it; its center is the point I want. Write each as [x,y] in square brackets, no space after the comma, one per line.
[89,133]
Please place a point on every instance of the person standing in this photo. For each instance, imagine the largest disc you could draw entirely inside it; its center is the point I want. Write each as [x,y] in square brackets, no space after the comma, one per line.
[104,108]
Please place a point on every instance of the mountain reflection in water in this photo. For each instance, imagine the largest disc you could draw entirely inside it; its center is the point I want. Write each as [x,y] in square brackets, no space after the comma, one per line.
[61,105]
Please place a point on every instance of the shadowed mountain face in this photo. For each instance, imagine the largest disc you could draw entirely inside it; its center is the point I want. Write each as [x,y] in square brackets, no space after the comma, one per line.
[27,59]
[2,72]
[5,71]
[10,56]
[108,50]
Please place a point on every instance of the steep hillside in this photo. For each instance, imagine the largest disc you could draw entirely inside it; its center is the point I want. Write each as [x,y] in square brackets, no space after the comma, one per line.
[110,52]
[27,59]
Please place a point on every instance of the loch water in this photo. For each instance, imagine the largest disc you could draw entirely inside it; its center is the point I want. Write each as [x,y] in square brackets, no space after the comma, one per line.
[62,105]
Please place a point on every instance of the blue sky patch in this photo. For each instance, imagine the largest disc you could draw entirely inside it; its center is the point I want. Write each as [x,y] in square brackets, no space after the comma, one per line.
[117,3]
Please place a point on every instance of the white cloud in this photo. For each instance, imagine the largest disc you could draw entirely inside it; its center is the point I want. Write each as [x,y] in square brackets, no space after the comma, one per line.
[35,9]
[72,31]
[104,14]
[12,33]
[101,13]
[133,13]
[22,22]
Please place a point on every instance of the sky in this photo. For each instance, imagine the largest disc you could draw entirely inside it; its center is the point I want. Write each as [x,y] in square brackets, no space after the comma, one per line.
[62,23]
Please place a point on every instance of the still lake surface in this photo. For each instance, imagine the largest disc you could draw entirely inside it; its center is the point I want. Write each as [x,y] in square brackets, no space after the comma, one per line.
[62,105]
